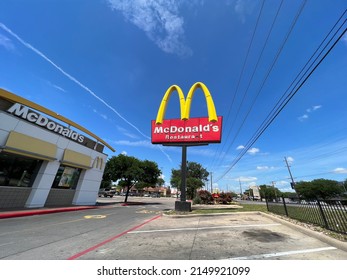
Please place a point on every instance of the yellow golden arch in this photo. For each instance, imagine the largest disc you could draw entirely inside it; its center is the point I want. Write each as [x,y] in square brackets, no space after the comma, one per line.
[186,103]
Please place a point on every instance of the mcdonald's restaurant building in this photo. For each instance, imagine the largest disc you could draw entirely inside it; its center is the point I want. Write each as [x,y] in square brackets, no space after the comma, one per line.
[46,159]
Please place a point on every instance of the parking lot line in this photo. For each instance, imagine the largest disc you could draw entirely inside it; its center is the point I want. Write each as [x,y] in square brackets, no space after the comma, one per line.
[284,253]
[201,228]
[111,239]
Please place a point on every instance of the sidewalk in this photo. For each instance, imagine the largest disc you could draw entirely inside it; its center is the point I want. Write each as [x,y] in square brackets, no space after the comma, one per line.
[14,213]
[4,214]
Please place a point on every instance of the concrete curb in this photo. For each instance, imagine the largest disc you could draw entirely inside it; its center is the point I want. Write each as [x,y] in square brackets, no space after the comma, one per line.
[23,213]
[211,214]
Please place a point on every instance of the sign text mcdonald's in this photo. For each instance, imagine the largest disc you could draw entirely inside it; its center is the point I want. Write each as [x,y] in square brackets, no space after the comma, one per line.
[187,130]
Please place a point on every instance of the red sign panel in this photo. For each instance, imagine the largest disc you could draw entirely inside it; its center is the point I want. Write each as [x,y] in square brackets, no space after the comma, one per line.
[194,130]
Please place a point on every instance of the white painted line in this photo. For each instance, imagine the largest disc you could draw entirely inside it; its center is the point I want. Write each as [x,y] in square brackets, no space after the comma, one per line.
[283,253]
[202,228]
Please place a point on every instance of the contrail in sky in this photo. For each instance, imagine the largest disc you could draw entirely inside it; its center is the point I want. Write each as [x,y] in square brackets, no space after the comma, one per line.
[27,45]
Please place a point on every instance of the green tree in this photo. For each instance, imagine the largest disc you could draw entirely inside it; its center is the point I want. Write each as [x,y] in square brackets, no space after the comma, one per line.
[130,171]
[269,192]
[319,188]
[196,176]
[160,182]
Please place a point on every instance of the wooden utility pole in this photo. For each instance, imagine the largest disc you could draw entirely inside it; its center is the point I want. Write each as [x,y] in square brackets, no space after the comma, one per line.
[290,173]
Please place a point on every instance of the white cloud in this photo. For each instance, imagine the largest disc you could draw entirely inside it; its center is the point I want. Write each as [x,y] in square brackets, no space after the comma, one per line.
[141,143]
[340,170]
[264,167]
[314,108]
[303,117]
[124,153]
[160,21]
[253,151]
[290,159]
[309,111]
[240,147]
[6,43]
[246,179]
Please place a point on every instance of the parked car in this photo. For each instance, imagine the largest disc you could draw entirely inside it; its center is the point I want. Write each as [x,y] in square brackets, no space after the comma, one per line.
[106,193]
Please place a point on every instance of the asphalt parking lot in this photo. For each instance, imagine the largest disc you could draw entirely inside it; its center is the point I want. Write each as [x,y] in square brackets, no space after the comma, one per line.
[238,236]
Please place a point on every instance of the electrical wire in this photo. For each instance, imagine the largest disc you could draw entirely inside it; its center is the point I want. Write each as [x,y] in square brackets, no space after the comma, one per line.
[289,96]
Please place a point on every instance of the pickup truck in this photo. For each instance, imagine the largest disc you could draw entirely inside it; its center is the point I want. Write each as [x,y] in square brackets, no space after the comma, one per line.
[106,193]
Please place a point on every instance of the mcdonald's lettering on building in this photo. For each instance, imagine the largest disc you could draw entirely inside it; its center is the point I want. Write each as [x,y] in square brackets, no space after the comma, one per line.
[186,130]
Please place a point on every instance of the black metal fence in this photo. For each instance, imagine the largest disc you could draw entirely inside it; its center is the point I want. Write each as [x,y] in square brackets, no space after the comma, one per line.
[330,214]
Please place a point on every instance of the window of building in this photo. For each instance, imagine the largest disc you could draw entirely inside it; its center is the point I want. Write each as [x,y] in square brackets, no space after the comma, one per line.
[18,171]
[67,177]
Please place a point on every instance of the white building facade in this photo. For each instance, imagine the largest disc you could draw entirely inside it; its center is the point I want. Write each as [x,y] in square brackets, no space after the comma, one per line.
[46,159]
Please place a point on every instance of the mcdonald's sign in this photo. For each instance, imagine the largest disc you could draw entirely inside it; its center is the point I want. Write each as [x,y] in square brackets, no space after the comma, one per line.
[187,130]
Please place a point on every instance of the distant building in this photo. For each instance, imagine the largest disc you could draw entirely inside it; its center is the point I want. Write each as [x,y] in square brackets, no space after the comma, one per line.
[46,159]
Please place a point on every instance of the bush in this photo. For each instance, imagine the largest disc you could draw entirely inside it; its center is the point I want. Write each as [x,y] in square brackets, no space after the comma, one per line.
[224,198]
[204,197]
[197,200]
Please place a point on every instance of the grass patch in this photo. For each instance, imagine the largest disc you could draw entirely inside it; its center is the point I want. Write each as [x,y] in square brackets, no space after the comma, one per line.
[245,208]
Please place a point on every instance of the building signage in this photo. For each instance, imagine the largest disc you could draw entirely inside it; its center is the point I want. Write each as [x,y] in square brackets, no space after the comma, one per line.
[194,130]
[25,113]
[187,130]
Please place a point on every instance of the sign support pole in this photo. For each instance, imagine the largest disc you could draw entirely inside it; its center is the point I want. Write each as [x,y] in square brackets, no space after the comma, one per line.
[184,174]
[183,205]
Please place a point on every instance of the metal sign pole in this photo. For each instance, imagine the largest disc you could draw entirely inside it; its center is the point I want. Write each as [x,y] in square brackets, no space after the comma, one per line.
[184,174]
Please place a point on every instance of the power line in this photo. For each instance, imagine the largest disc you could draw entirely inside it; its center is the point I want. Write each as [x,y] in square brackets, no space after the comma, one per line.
[295,89]
[268,73]
[243,68]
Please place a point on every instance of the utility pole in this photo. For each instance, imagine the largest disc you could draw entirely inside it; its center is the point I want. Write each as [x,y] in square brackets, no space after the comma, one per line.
[273,184]
[211,184]
[290,173]
[240,188]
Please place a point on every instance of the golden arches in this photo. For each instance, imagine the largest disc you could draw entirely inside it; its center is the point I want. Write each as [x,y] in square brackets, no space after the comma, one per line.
[185,104]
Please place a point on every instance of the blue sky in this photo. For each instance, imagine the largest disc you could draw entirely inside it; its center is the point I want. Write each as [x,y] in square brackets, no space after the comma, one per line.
[106,65]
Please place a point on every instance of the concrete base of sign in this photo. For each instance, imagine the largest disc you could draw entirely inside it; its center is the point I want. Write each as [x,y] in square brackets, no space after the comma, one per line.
[183,206]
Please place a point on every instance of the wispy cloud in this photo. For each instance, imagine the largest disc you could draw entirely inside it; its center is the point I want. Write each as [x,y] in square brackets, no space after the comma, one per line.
[309,111]
[253,151]
[100,114]
[340,170]
[55,86]
[290,159]
[265,167]
[160,21]
[59,88]
[6,43]
[73,79]
[246,179]
[27,45]
[126,132]
[243,8]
